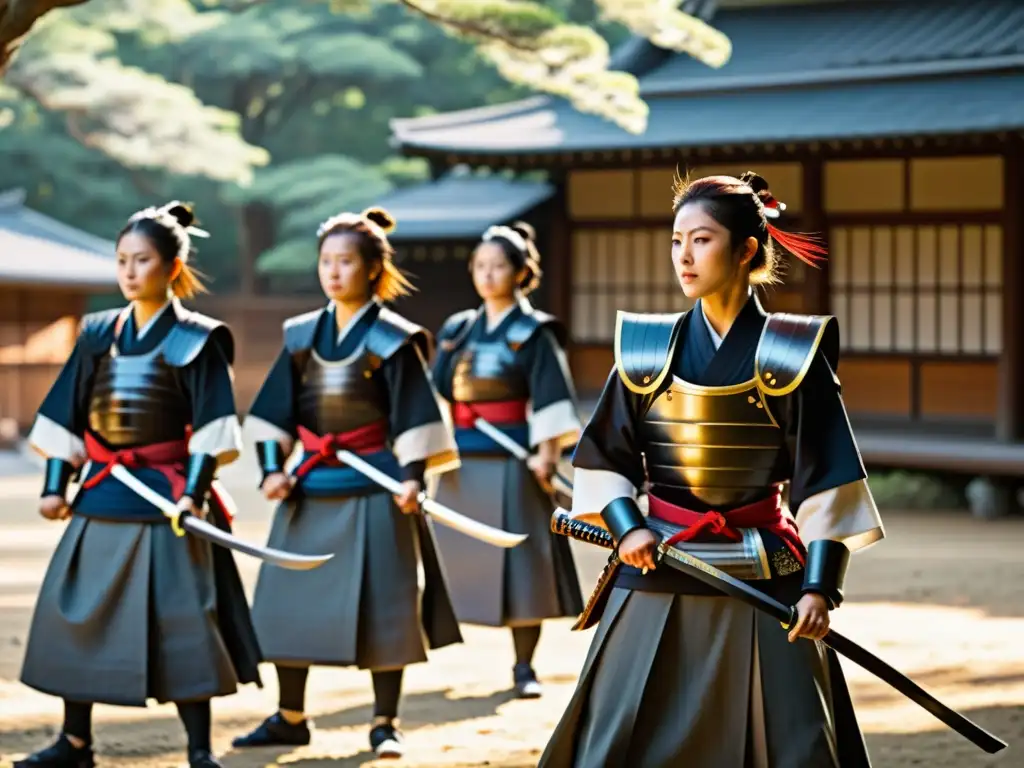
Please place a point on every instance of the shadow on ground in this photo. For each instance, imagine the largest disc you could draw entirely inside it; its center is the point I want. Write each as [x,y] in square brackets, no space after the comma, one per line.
[166,736]
[947,749]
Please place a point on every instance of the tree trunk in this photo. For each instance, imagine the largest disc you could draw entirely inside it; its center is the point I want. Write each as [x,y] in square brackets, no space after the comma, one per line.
[17,18]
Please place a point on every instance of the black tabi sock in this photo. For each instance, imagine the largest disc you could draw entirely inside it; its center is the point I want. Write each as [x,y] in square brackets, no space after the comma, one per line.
[525,640]
[78,720]
[196,717]
[291,684]
[387,690]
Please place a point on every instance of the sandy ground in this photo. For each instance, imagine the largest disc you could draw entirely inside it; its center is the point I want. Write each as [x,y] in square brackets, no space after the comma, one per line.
[942,599]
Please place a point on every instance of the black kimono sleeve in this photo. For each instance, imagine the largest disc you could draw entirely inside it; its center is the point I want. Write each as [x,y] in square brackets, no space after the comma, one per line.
[608,460]
[421,435]
[215,428]
[272,417]
[552,414]
[829,494]
[61,421]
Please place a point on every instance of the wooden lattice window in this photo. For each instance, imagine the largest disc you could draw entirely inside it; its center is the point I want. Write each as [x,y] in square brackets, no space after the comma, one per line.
[933,289]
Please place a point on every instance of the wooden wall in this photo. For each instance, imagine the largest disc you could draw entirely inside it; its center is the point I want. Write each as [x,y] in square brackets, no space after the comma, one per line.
[37,331]
[915,272]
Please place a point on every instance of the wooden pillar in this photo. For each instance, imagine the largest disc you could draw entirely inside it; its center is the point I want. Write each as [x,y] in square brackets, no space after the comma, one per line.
[559,256]
[1010,410]
[817,297]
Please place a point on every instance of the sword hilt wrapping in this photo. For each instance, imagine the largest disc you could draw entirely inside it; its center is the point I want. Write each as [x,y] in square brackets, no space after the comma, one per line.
[564,525]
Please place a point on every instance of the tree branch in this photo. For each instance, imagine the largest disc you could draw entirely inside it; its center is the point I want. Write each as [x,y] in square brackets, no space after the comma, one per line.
[468,27]
[17,17]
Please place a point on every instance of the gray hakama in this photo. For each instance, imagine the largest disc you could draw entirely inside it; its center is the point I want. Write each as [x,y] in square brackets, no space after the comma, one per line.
[522,586]
[382,602]
[665,681]
[128,611]
[378,604]
[537,579]
[677,675]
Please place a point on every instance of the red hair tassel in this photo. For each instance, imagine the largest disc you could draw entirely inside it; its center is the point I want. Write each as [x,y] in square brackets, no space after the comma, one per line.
[808,248]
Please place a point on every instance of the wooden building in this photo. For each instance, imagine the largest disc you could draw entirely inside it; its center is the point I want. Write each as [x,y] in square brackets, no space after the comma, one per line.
[48,270]
[892,127]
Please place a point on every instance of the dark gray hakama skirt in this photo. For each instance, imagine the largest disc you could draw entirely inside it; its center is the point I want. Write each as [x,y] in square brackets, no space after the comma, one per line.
[128,612]
[379,603]
[521,586]
[675,680]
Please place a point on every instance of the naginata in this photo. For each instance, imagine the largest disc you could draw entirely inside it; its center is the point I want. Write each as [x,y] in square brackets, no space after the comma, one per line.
[504,363]
[351,375]
[714,411]
[129,610]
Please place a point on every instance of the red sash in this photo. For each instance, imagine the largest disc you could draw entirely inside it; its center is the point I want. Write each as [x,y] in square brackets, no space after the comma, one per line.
[766,514]
[167,458]
[496,412]
[368,439]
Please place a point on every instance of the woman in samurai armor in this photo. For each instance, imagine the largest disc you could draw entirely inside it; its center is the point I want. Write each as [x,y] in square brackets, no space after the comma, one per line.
[501,366]
[714,410]
[130,609]
[351,375]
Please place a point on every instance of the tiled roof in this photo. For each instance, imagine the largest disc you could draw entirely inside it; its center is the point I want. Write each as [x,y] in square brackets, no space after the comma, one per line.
[459,207]
[36,249]
[801,72]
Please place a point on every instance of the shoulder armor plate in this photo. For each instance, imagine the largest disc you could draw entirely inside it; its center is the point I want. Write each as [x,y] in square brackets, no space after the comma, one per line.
[644,344]
[529,321]
[787,348]
[390,331]
[191,333]
[299,331]
[97,330]
[455,328]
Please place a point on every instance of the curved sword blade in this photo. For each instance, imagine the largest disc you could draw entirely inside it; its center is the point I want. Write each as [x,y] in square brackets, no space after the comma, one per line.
[277,557]
[214,534]
[510,445]
[441,513]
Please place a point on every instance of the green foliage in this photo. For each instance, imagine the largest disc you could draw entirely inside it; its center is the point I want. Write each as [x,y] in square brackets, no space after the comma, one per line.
[303,194]
[898,489]
[69,65]
[274,114]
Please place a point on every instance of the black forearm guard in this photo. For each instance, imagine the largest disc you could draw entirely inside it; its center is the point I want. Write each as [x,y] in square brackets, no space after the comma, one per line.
[58,475]
[271,457]
[621,516]
[199,476]
[826,570]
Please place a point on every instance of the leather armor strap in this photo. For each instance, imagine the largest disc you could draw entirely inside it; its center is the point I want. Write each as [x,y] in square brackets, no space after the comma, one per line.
[271,457]
[58,475]
[622,516]
[826,570]
[199,477]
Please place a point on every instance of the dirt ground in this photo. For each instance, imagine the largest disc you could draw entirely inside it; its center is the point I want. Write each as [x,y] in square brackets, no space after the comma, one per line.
[942,599]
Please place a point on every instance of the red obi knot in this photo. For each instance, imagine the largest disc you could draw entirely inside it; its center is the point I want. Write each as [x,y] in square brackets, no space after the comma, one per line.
[366,439]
